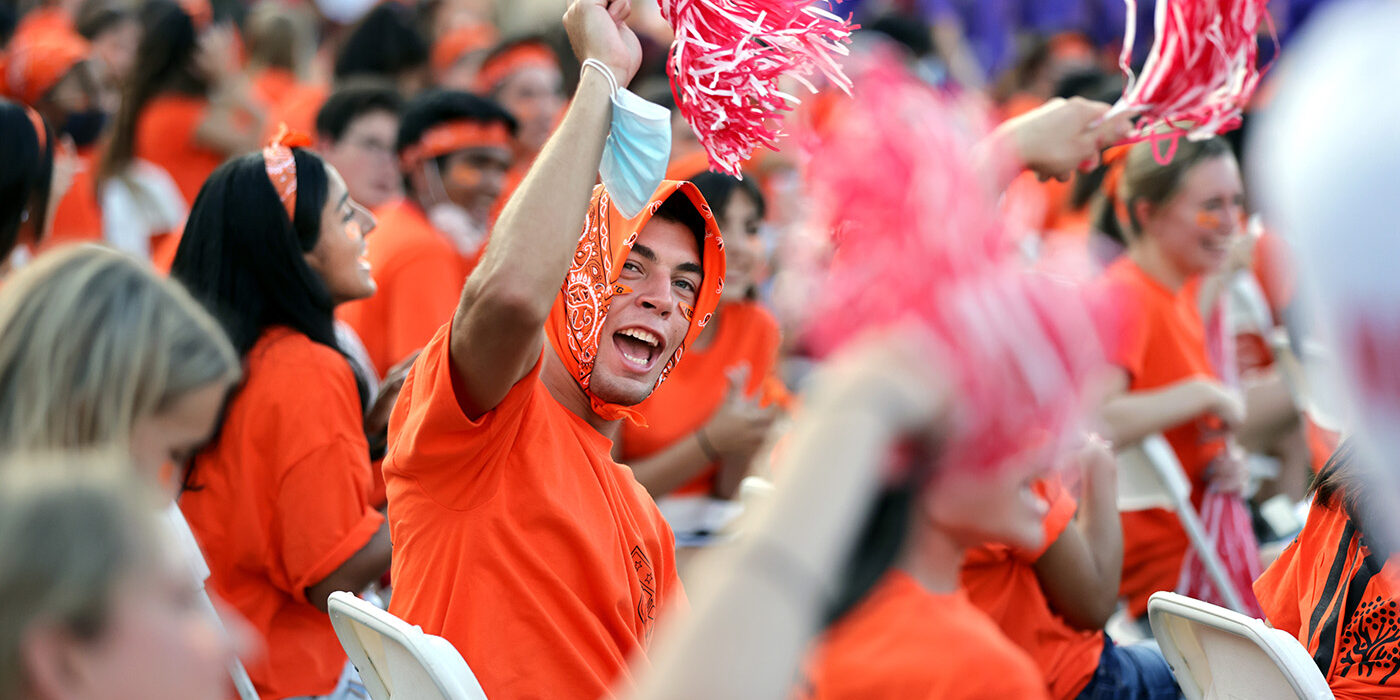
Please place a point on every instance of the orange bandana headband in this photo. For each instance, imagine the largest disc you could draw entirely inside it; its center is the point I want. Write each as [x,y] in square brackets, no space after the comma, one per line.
[281,165]
[576,320]
[459,42]
[41,133]
[453,136]
[499,67]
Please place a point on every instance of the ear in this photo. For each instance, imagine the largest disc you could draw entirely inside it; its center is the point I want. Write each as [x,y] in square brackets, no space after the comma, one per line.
[1142,211]
[51,663]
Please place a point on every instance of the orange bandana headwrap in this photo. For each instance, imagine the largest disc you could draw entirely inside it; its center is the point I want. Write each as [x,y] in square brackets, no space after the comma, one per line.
[576,321]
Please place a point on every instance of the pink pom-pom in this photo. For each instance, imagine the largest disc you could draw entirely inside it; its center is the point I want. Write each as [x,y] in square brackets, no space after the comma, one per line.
[726,61]
[918,239]
[1202,70]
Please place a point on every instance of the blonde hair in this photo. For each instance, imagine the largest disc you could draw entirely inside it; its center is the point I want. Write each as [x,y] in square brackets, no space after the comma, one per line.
[91,342]
[71,528]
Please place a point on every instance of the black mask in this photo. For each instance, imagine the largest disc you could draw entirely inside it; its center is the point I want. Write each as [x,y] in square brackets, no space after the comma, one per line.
[85,127]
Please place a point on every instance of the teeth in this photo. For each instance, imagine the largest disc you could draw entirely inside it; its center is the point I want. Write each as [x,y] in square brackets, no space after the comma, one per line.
[642,335]
[638,361]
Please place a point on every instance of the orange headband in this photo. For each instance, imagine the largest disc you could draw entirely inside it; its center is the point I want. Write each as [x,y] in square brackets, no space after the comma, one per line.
[40,132]
[513,59]
[281,165]
[453,136]
[1115,159]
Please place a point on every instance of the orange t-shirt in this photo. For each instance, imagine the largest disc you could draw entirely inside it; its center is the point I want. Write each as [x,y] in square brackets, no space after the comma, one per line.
[1002,582]
[1158,337]
[78,217]
[697,387]
[297,109]
[1341,602]
[420,275]
[519,539]
[282,502]
[274,86]
[903,642]
[165,136]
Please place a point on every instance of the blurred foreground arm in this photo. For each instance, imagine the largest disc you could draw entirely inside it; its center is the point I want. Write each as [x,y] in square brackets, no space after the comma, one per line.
[756,607]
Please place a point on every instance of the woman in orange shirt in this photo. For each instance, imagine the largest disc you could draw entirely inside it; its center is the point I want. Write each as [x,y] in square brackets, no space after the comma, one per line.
[710,417]
[1335,588]
[186,107]
[1179,221]
[280,500]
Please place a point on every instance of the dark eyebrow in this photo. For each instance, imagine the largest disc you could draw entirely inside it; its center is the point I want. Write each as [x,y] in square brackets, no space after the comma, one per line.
[644,251]
[690,267]
[344,198]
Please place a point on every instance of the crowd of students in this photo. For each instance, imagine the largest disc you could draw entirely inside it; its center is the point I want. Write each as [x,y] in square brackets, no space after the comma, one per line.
[346,307]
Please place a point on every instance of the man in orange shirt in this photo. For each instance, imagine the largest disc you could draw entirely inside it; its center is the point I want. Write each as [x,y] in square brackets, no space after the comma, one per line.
[355,132]
[1053,600]
[453,151]
[516,536]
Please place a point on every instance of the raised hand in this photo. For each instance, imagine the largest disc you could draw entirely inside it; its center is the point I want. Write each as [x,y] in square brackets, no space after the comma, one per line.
[598,29]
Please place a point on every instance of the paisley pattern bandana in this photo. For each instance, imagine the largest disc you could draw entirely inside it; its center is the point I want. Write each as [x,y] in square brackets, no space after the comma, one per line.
[576,321]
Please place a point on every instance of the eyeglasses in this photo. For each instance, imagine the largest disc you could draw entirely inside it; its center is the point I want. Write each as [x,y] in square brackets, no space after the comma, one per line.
[373,147]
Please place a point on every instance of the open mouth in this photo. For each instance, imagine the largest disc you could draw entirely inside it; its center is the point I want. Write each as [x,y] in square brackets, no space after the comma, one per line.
[639,347]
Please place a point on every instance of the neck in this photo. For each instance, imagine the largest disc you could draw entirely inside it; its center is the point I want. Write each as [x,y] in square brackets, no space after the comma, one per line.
[933,558]
[566,390]
[1155,263]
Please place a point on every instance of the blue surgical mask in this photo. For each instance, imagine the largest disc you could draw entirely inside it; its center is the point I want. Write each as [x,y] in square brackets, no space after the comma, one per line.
[637,151]
[85,127]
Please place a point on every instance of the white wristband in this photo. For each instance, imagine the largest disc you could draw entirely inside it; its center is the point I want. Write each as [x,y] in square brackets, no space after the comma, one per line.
[604,69]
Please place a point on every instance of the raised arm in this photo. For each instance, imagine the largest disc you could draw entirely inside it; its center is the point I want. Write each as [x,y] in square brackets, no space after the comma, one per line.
[498,328]
[1081,570]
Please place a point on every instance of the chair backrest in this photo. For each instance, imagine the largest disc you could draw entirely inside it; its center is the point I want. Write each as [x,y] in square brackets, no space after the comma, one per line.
[1150,476]
[398,661]
[1218,653]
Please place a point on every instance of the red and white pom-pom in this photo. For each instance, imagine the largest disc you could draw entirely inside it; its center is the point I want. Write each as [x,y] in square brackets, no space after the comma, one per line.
[918,239]
[726,61]
[1202,70]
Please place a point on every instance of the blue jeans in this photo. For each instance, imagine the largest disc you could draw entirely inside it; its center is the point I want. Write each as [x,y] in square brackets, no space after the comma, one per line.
[1134,672]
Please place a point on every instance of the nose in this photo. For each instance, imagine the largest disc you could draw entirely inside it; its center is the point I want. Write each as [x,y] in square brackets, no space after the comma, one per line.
[654,294]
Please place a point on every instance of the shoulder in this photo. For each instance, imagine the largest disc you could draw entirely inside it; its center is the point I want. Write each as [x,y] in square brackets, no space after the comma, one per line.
[172,110]
[404,235]
[296,367]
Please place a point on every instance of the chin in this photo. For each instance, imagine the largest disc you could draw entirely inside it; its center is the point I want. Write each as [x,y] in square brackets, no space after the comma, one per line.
[623,391]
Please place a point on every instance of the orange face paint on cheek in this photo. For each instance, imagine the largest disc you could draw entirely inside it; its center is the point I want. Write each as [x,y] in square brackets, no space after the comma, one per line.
[463,175]
[354,232]
[1206,219]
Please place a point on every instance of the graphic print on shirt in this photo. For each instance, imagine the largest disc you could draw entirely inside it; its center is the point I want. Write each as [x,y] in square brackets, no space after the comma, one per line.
[1371,645]
[646,607]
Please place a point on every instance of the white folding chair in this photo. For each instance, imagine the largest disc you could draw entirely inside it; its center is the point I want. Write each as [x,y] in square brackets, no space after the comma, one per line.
[1219,654]
[396,660]
[1150,476]
[190,553]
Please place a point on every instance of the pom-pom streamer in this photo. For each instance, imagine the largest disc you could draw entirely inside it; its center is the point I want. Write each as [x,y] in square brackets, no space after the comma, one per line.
[1201,72]
[726,61]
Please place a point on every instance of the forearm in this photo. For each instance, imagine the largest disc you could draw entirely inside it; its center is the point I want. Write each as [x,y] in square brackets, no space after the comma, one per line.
[1102,527]
[538,230]
[1132,416]
[234,121]
[363,568]
[672,467]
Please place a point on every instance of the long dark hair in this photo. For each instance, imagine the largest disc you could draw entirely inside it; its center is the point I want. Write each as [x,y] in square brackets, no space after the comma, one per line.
[26,175]
[1342,484]
[164,63]
[243,259]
